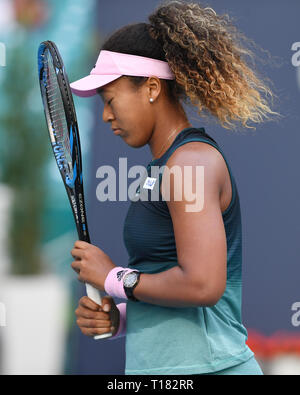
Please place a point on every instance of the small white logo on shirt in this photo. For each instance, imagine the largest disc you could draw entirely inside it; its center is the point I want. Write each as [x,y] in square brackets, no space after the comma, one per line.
[149,183]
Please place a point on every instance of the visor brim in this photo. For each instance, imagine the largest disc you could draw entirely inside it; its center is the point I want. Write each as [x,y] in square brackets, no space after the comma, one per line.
[87,86]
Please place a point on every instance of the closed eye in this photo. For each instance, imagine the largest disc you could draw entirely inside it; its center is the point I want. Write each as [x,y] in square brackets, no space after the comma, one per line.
[103,99]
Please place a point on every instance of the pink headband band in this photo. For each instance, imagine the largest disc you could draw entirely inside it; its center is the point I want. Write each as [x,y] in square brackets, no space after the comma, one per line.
[112,65]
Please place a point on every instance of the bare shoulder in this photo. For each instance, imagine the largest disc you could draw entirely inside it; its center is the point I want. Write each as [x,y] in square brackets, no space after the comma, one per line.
[197,153]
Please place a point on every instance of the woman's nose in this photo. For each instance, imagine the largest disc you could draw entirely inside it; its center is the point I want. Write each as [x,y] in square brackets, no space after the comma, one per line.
[107,115]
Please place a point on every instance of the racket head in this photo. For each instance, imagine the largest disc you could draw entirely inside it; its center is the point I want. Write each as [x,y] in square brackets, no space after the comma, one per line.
[63,129]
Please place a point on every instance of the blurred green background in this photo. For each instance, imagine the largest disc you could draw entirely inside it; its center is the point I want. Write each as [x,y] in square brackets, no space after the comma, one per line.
[23,140]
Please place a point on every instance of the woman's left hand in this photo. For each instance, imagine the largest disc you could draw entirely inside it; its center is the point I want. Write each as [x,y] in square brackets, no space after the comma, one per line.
[91,264]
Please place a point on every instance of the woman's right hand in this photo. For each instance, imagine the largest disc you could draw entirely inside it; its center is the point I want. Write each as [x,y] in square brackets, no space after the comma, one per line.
[93,319]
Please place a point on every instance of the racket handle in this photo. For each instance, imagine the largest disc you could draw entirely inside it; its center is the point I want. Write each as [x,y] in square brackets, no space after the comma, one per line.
[95,295]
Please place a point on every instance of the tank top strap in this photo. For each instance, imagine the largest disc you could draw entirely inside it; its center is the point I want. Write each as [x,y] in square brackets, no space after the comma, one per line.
[187,136]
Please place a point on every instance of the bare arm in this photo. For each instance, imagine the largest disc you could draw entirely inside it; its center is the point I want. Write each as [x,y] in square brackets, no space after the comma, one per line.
[200,277]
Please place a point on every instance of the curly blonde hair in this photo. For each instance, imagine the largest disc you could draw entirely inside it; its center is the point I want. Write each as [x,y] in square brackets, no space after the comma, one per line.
[205,51]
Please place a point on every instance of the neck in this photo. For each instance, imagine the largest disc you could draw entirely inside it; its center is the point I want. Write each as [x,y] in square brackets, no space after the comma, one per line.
[165,132]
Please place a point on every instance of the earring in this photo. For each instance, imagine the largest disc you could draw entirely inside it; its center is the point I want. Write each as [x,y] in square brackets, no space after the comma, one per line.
[151,100]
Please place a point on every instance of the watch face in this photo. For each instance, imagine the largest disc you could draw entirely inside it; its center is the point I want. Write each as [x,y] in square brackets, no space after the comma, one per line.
[130,279]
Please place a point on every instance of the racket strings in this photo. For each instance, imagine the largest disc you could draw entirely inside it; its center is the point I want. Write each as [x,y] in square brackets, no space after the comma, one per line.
[57,115]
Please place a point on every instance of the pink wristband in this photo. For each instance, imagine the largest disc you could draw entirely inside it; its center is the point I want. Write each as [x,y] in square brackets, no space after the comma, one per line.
[113,284]
[122,325]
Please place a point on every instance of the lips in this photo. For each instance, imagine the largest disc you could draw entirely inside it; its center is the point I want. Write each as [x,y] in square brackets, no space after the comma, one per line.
[117,131]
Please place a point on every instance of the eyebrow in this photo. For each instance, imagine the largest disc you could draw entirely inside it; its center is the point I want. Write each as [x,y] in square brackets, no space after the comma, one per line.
[102,90]
[100,93]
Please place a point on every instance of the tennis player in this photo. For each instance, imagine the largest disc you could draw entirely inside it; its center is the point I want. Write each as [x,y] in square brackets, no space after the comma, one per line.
[182,288]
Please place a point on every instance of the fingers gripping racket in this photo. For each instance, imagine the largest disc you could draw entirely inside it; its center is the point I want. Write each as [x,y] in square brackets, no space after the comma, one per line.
[64,136]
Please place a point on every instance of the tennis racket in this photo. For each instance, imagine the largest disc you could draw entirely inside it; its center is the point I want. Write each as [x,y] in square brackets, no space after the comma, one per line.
[64,136]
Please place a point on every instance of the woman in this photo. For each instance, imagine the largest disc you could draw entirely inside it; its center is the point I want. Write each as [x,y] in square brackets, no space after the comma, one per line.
[182,287]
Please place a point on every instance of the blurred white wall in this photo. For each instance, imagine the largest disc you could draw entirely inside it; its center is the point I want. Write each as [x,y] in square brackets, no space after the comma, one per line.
[33,339]
[5,203]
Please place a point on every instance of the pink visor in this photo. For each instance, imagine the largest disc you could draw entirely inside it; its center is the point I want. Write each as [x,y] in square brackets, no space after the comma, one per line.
[112,65]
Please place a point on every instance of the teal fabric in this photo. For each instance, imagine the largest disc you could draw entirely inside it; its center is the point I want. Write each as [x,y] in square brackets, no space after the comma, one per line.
[168,340]
[248,368]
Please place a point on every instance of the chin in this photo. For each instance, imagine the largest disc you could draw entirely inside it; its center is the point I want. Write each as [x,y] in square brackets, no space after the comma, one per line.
[134,143]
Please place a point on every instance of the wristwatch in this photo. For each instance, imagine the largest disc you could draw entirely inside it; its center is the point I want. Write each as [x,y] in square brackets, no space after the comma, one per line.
[130,281]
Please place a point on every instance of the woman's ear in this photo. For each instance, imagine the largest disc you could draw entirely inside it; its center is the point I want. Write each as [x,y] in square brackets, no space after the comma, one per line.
[153,88]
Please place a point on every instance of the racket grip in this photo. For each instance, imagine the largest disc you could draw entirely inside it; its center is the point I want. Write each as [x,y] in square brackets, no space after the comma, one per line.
[95,295]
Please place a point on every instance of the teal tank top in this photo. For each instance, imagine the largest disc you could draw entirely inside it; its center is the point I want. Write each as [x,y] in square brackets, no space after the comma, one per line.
[190,340]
